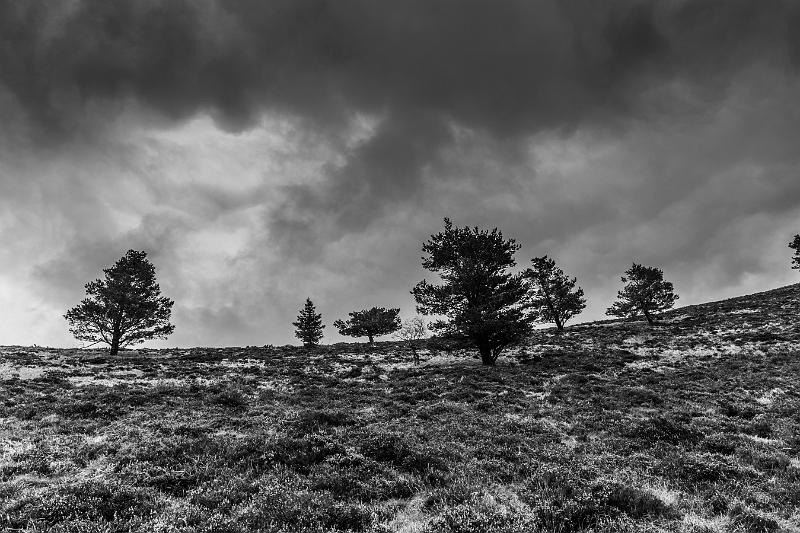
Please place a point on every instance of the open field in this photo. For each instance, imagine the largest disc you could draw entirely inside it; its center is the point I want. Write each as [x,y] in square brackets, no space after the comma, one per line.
[692,426]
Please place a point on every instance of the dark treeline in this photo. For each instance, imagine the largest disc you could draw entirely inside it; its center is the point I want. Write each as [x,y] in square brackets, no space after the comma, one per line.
[479,299]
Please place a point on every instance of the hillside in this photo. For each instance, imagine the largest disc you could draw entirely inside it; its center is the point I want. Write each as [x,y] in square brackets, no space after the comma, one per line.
[693,426]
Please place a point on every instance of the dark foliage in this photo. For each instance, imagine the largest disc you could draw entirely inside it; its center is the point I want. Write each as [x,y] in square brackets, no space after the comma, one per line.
[795,245]
[481,299]
[124,308]
[309,325]
[646,293]
[370,323]
[554,297]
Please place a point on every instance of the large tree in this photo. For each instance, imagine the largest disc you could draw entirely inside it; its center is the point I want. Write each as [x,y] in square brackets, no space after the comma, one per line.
[795,245]
[554,297]
[480,298]
[123,308]
[309,325]
[370,323]
[645,293]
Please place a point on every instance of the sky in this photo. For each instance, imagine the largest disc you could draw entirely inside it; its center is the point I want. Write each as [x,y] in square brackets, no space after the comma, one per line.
[265,152]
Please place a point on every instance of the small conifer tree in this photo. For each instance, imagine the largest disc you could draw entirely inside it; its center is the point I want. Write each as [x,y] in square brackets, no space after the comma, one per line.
[795,245]
[646,292]
[553,295]
[309,325]
[123,308]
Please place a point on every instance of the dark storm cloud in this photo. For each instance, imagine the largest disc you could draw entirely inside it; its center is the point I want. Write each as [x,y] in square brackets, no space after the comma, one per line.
[506,67]
[453,93]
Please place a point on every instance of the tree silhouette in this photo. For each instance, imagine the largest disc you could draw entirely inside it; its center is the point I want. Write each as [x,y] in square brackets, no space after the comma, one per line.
[553,295]
[481,300]
[123,308]
[795,245]
[309,325]
[646,292]
[370,323]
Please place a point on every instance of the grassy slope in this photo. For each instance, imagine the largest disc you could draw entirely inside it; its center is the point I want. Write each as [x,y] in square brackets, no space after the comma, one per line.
[690,426]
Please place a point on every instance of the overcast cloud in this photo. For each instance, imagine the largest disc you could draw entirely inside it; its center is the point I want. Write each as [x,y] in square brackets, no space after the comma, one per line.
[263,152]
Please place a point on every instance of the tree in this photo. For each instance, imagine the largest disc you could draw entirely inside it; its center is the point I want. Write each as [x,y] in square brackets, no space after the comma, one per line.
[480,299]
[646,292]
[553,295]
[795,245]
[309,325]
[123,308]
[370,323]
[412,331]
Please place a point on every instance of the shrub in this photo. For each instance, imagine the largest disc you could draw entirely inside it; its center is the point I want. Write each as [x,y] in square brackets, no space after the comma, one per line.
[636,503]
[85,500]
[232,397]
[751,521]
[475,516]
[302,453]
[663,429]
[720,443]
[357,477]
[563,500]
[284,504]
[397,450]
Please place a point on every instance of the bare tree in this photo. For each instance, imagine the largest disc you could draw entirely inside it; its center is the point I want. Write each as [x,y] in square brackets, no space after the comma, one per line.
[413,330]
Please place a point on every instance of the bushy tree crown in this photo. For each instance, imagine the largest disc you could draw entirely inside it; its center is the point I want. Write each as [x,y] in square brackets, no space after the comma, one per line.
[646,292]
[123,308]
[370,323]
[795,245]
[479,298]
[554,297]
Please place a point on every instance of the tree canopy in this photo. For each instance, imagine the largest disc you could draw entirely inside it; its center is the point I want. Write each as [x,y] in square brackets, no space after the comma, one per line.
[479,298]
[795,245]
[370,323]
[123,308]
[645,292]
[309,324]
[554,297]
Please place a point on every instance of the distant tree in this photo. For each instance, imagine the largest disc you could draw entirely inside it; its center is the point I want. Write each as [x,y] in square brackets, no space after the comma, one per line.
[309,325]
[646,292]
[795,245]
[412,331]
[370,323]
[554,297]
[123,308]
[481,300]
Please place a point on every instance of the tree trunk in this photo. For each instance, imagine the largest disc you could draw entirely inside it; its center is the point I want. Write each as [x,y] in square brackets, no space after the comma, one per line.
[559,325]
[487,358]
[116,333]
[648,317]
[370,338]
[115,344]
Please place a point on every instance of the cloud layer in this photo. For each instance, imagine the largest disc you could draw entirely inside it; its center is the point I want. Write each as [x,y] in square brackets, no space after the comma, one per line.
[263,152]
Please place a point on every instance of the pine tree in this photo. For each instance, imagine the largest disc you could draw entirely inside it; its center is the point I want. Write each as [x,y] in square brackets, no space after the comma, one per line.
[795,245]
[370,323]
[646,292]
[481,300]
[309,325]
[553,295]
[124,308]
